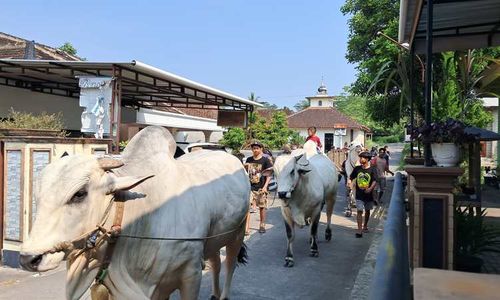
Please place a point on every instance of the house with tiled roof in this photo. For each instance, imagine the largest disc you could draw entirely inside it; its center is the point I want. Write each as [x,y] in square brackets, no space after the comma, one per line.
[333,127]
[13,47]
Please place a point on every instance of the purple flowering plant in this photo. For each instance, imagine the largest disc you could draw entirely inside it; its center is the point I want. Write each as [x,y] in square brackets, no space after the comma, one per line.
[449,131]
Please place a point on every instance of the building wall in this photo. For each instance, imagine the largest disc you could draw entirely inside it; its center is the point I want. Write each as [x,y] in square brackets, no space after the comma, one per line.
[34,102]
[327,102]
[23,162]
[491,149]
[197,137]
[357,135]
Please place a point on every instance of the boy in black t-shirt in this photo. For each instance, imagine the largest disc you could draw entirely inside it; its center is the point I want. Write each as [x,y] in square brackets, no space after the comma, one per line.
[259,170]
[366,181]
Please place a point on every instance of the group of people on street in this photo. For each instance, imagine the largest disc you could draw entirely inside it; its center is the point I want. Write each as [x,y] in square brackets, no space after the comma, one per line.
[368,180]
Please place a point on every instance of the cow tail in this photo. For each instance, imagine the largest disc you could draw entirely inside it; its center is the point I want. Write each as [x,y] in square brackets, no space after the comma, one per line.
[243,255]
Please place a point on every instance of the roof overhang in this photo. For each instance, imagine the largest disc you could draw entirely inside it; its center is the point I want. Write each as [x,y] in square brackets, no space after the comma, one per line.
[142,86]
[457,24]
[181,122]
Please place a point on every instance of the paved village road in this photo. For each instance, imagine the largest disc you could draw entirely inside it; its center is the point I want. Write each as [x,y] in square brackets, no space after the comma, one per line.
[329,276]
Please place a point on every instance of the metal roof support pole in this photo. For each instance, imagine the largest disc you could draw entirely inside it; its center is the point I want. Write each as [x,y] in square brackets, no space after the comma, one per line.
[428,78]
[498,131]
[115,117]
[412,95]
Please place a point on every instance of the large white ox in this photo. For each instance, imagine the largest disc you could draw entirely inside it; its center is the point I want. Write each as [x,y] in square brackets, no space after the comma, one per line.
[306,182]
[203,194]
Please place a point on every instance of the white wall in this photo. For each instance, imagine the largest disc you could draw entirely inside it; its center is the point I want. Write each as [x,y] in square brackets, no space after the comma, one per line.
[492,146]
[324,103]
[357,135]
[197,136]
[34,102]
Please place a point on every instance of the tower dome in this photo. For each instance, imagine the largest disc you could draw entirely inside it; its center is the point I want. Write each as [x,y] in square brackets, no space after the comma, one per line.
[322,90]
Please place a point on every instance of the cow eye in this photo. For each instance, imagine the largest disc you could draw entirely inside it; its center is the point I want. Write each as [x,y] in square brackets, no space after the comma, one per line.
[78,196]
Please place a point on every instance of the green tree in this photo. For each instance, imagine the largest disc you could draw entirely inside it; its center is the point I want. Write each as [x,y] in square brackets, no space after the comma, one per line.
[68,48]
[296,138]
[364,47]
[301,105]
[234,138]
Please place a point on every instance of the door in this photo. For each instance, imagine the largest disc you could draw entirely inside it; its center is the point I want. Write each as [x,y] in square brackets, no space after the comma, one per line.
[328,141]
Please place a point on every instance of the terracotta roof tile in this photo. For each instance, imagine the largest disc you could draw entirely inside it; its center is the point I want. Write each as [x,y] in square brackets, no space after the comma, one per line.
[322,117]
[14,47]
[267,113]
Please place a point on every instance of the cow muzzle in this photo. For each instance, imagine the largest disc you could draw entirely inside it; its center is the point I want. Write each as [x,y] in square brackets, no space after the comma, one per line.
[30,262]
[284,195]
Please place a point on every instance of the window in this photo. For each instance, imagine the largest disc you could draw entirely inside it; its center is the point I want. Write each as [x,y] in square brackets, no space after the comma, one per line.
[320,103]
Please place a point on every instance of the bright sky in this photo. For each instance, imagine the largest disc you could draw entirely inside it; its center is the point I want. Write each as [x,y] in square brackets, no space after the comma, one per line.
[278,49]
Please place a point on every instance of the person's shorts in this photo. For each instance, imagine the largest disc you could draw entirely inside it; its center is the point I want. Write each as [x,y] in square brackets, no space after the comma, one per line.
[259,198]
[381,184]
[362,205]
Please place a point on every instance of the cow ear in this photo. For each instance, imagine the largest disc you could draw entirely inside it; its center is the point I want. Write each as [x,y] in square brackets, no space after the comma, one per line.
[303,164]
[125,183]
[302,160]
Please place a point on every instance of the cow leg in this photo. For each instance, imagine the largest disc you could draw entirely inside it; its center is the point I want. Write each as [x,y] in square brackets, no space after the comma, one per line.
[233,250]
[314,235]
[215,267]
[290,234]
[190,286]
[330,203]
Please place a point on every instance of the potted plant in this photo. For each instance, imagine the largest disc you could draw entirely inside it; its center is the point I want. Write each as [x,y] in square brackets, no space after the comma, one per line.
[28,124]
[473,238]
[445,138]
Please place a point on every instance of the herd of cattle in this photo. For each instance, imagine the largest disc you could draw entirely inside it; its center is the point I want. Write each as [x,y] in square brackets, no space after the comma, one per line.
[143,226]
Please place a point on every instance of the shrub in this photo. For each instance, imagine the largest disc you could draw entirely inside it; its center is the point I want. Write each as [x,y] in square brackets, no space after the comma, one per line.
[24,120]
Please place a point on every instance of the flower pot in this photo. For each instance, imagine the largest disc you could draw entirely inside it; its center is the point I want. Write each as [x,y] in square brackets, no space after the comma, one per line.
[445,154]
[468,263]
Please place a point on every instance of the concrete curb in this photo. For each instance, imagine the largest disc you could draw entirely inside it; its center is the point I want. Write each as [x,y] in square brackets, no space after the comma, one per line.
[361,287]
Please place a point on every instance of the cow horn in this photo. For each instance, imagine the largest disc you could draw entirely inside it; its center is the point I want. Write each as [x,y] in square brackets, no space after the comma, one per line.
[108,163]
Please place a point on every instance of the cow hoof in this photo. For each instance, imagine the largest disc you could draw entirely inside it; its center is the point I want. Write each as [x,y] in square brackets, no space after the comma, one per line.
[328,235]
[288,264]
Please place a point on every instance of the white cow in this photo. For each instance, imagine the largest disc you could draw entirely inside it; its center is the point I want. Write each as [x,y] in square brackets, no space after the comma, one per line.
[203,194]
[306,182]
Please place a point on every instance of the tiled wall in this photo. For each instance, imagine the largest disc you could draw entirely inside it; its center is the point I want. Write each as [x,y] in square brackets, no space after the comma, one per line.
[13,197]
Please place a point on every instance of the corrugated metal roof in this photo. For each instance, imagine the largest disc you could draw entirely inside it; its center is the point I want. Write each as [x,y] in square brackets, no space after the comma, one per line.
[457,24]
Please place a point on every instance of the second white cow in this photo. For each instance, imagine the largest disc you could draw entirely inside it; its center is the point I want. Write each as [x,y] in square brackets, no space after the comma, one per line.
[305,184]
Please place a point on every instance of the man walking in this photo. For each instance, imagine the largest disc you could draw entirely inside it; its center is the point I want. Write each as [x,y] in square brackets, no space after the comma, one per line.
[366,181]
[259,170]
[382,166]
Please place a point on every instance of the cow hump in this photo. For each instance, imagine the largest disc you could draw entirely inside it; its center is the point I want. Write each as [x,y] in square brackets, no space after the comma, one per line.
[150,141]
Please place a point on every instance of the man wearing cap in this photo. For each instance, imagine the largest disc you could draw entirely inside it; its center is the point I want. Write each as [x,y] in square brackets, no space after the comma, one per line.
[259,170]
[366,181]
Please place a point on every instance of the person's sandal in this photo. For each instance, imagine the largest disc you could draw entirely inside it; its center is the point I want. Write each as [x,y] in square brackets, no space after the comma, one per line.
[359,235]
[365,230]
[262,229]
